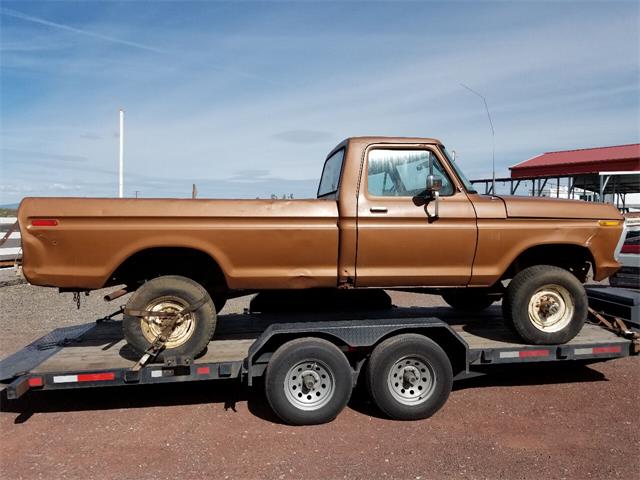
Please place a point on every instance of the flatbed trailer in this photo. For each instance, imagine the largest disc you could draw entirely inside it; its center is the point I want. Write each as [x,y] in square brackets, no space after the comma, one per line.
[407,356]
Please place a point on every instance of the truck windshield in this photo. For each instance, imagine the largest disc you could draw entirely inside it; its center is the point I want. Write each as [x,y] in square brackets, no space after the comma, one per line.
[463,178]
[331,174]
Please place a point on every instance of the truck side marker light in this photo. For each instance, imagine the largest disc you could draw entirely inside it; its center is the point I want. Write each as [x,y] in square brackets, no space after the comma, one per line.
[203,371]
[44,222]
[524,354]
[596,350]
[609,223]
[84,377]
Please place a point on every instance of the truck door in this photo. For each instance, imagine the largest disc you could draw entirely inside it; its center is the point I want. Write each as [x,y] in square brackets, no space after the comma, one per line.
[400,242]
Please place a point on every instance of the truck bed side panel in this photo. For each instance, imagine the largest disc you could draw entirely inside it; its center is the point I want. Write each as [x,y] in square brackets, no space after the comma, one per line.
[259,244]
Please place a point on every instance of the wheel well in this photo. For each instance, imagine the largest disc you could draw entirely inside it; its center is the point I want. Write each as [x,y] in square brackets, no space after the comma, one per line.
[155,262]
[574,258]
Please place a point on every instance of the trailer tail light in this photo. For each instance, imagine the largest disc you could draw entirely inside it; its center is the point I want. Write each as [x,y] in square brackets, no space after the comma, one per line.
[85,377]
[35,382]
[44,222]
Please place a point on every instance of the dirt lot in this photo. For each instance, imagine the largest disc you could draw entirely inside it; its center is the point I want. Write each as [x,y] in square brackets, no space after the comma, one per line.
[560,421]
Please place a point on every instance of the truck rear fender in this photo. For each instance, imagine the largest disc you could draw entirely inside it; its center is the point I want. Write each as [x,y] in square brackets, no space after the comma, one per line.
[156,261]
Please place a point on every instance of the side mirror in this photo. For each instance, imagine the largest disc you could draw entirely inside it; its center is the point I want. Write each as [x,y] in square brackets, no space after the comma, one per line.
[434,184]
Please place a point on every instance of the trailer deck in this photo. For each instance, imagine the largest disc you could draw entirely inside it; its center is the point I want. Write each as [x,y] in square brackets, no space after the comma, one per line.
[96,354]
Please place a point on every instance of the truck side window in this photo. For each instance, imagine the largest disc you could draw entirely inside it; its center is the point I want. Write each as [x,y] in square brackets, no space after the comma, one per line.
[403,173]
[331,174]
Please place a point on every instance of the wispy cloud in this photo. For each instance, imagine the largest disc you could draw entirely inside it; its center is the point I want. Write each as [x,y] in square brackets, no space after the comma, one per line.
[61,26]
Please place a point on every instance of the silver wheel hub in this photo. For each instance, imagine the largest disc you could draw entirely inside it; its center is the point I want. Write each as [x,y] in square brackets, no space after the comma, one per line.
[411,380]
[309,385]
[551,308]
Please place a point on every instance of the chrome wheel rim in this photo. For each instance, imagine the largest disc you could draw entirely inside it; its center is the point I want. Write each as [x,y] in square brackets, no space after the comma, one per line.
[411,380]
[309,385]
[551,308]
[152,326]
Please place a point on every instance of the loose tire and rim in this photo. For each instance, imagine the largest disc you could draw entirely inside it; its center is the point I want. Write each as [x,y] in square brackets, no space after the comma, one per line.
[409,377]
[468,299]
[170,293]
[545,305]
[308,381]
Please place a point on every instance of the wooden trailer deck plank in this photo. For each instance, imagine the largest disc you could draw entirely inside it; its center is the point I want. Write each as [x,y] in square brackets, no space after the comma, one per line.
[480,337]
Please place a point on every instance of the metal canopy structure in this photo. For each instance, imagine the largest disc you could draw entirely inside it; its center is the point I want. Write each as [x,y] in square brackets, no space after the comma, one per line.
[590,174]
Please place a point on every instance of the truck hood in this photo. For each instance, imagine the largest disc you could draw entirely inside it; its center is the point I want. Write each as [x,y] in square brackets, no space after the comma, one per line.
[543,207]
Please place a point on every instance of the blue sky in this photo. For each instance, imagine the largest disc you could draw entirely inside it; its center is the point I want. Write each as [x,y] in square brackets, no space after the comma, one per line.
[245,99]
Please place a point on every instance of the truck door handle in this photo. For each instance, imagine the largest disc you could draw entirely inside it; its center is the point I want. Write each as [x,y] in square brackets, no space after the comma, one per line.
[378,209]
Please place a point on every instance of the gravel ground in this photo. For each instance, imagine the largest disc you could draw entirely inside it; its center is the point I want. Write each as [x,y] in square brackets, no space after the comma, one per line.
[559,421]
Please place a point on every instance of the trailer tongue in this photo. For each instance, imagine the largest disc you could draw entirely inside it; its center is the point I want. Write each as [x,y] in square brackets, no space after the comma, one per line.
[310,362]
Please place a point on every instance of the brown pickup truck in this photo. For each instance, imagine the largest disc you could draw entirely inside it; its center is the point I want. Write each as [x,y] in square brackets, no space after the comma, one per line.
[390,213]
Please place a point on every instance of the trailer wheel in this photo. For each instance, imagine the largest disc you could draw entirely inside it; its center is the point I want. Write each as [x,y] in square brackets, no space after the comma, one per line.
[308,381]
[409,377]
[468,299]
[545,305]
[170,293]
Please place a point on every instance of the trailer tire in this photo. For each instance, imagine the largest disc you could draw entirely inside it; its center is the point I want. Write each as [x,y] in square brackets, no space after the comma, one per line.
[308,381]
[468,299]
[171,293]
[409,377]
[546,305]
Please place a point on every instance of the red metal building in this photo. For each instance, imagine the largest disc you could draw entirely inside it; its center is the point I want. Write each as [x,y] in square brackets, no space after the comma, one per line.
[619,158]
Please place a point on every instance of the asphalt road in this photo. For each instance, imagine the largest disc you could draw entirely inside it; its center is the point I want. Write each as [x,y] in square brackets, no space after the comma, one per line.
[554,421]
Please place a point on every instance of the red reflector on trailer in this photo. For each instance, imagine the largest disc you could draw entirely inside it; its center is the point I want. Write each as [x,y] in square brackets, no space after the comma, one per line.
[35,382]
[607,349]
[96,377]
[533,353]
[44,222]
[203,370]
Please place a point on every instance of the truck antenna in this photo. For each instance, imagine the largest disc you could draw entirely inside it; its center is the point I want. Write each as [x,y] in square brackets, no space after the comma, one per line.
[493,139]
[121,157]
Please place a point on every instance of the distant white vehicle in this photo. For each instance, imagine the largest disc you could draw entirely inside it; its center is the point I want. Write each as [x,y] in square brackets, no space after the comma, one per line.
[629,274]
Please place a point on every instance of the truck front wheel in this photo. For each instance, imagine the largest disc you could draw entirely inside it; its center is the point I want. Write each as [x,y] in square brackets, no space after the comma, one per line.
[409,377]
[545,305]
[168,294]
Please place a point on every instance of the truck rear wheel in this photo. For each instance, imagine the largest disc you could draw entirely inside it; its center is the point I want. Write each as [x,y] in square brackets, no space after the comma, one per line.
[308,381]
[170,293]
[545,305]
[409,377]
[468,299]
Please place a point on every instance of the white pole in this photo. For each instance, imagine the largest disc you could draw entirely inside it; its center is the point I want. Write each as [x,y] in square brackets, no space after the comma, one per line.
[121,156]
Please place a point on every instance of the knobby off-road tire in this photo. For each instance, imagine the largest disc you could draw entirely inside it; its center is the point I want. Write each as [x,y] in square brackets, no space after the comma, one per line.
[468,299]
[308,381]
[171,293]
[545,305]
[409,377]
